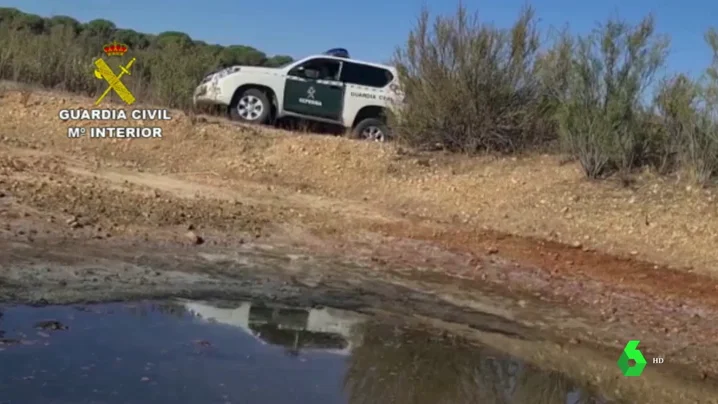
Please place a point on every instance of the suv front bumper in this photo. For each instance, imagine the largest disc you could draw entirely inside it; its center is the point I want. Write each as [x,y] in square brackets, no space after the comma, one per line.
[202,95]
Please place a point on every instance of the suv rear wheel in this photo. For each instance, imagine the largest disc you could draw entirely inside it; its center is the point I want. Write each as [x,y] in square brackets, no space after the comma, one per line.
[372,129]
[251,106]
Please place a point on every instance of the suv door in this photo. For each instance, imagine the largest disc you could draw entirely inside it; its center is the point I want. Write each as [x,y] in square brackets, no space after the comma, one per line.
[313,89]
[367,85]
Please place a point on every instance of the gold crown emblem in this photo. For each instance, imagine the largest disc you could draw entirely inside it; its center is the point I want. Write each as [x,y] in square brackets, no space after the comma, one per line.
[115,49]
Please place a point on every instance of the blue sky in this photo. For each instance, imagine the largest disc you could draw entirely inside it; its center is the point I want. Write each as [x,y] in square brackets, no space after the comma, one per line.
[371,29]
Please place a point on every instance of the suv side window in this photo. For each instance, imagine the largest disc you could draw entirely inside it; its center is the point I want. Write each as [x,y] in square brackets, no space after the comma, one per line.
[365,75]
[328,69]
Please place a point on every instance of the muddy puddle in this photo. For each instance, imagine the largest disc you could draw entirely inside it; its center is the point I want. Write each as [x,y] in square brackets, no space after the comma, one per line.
[201,352]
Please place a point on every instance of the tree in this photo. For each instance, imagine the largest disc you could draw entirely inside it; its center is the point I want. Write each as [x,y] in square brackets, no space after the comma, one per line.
[64,21]
[58,52]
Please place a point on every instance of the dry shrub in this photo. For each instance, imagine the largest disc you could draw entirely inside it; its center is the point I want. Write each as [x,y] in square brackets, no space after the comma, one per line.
[688,114]
[674,102]
[25,95]
[470,86]
[701,148]
[602,114]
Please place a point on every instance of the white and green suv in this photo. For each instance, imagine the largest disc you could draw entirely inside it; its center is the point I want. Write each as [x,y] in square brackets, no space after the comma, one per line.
[325,88]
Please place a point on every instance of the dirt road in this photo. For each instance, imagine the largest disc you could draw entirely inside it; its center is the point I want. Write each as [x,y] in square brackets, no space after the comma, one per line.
[217,208]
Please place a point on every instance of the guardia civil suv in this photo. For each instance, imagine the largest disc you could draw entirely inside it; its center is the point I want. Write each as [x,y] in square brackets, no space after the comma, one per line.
[329,88]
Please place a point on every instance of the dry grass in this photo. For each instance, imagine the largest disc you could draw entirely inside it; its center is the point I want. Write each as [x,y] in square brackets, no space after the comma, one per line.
[655,219]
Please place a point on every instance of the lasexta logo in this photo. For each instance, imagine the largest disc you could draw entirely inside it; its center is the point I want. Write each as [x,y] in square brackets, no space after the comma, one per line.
[631,352]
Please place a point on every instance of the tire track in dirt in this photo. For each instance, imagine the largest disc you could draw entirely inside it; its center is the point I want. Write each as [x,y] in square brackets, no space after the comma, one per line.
[211,203]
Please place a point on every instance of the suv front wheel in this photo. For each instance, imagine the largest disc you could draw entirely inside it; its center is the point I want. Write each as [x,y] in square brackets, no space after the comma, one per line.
[372,129]
[251,106]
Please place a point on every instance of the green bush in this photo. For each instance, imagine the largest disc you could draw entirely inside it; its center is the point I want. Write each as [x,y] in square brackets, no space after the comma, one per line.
[470,86]
[701,150]
[473,87]
[602,113]
[688,113]
[675,104]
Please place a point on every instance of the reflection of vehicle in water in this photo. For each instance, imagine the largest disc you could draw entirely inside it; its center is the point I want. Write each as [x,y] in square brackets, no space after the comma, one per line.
[325,329]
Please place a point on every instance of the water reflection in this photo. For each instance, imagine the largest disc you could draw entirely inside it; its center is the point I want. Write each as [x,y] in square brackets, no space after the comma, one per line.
[190,352]
[400,365]
[296,329]
[390,364]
